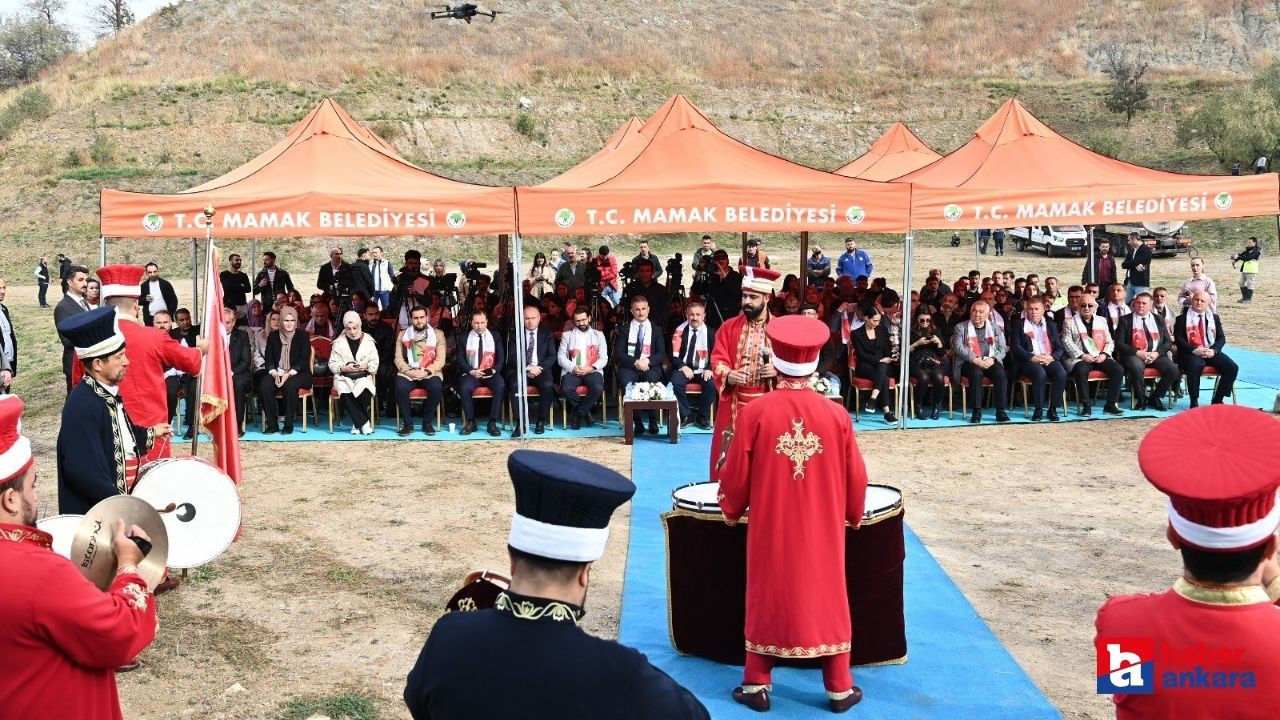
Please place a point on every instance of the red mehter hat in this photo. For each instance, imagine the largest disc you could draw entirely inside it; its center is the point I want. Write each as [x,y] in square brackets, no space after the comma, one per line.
[121,280]
[796,342]
[1220,467]
[758,279]
[15,448]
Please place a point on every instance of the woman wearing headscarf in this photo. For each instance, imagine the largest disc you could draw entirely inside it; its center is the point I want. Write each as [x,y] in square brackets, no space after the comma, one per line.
[259,337]
[255,317]
[542,277]
[354,364]
[288,363]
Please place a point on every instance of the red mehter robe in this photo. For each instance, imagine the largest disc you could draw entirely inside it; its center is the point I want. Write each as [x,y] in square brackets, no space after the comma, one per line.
[738,343]
[795,463]
[146,399]
[63,636]
[1190,616]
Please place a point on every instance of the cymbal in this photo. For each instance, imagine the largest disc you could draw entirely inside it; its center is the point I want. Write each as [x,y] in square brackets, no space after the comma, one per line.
[92,549]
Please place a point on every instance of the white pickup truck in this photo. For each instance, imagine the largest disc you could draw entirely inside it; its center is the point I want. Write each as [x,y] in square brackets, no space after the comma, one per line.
[1053,239]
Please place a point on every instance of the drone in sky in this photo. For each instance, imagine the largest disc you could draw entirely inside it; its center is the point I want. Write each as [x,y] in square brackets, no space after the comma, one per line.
[463,11]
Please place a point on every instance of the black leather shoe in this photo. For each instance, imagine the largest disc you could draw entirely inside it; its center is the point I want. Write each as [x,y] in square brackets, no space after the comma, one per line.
[1038,415]
[1155,404]
[935,413]
[1112,409]
[270,430]
[428,428]
[653,427]
[1053,415]
[703,424]
[843,704]
[890,418]
[468,427]
[287,431]
[1086,411]
[686,421]
[758,701]
[1217,400]
[1002,416]
[406,431]
[515,431]
[975,417]
[575,421]
[493,429]
[539,428]
[188,435]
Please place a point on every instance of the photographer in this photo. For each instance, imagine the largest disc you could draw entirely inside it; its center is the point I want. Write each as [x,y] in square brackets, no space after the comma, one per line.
[334,278]
[607,267]
[657,295]
[646,255]
[723,290]
[410,286]
[1248,259]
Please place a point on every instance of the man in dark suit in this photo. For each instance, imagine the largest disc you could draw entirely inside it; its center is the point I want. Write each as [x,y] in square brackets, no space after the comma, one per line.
[640,352]
[271,281]
[1101,267]
[188,335]
[1200,338]
[240,346]
[8,344]
[335,276]
[64,271]
[551,667]
[1137,265]
[1142,341]
[1037,350]
[156,294]
[657,295]
[479,358]
[691,348]
[361,275]
[72,303]
[540,362]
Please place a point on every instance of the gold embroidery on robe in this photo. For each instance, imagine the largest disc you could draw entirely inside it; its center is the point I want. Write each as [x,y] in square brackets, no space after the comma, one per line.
[787,652]
[798,446]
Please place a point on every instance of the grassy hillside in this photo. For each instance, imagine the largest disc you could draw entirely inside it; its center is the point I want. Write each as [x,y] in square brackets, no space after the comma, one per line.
[201,87]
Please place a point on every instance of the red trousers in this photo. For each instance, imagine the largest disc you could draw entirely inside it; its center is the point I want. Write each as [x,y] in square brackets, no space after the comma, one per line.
[836,675]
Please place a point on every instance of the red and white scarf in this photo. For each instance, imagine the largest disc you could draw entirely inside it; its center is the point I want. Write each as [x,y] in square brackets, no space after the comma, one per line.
[989,334]
[1202,330]
[479,360]
[700,353]
[583,348]
[1117,310]
[1146,334]
[1039,336]
[648,338]
[419,348]
[1094,339]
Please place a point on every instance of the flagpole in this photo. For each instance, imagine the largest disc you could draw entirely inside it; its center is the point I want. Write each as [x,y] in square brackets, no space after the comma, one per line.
[204,357]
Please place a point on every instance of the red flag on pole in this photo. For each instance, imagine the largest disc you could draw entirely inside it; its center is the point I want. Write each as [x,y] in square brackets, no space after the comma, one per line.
[217,392]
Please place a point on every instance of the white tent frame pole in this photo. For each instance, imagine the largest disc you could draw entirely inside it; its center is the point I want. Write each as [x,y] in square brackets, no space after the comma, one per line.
[102,250]
[521,415]
[904,333]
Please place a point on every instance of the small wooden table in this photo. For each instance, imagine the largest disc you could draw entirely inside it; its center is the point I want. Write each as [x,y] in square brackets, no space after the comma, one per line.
[628,422]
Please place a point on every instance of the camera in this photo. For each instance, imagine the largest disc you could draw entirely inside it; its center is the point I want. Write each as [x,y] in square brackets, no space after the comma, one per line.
[471,269]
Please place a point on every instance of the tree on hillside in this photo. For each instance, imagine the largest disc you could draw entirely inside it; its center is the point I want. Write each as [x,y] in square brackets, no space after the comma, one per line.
[28,44]
[47,9]
[111,16]
[1234,125]
[1128,93]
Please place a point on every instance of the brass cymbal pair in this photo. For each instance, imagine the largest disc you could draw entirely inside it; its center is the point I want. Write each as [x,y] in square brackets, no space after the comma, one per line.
[93,550]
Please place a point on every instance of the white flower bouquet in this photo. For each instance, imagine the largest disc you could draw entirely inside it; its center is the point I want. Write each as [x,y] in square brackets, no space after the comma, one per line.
[649,391]
[822,385]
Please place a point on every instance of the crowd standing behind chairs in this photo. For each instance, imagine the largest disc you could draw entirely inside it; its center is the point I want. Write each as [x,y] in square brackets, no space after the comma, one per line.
[440,339]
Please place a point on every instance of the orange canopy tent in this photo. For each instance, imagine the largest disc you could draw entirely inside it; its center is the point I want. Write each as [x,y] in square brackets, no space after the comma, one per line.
[614,155]
[1018,171]
[682,174]
[328,176]
[896,153]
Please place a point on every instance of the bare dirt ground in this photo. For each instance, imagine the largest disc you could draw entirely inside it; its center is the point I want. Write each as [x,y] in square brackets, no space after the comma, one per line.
[350,551]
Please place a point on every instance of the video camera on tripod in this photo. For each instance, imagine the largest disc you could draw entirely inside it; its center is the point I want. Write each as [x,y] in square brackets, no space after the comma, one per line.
[675,274]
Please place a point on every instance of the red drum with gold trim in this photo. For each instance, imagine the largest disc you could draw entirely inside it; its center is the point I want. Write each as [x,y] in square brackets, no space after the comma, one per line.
[707,578]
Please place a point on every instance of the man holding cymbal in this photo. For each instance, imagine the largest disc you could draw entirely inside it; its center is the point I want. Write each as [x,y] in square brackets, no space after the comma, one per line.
[63,636]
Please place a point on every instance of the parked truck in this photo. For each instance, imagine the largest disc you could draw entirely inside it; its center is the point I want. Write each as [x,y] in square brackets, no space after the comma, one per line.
[1053,239]
[1166,239]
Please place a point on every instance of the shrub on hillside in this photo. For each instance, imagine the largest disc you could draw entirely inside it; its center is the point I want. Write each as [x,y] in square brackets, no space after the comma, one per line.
[103,149]
[1235,125]
[33,104]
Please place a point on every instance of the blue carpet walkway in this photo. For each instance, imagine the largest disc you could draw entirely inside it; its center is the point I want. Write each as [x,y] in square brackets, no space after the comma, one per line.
[956,667]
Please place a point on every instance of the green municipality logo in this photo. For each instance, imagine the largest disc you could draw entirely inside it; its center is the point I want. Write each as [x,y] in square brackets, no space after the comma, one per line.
[456,219]
[855,215]
[153,221]
[1222,200]
[952,212]
[565,217]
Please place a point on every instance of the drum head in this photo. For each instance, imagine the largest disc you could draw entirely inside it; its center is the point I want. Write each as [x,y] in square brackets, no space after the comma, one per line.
[63,530]
[207,513]
[881,500]
[698,497]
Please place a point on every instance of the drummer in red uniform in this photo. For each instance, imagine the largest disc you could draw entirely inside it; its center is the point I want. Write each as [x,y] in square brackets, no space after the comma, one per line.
[1210,646]
[62,636]
[151,352]
[740,359]
[794,462]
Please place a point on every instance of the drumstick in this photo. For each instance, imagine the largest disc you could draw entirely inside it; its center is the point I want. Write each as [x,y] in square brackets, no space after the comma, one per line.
[167,508]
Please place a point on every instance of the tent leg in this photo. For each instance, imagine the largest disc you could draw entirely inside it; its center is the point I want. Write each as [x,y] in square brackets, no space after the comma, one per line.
[977,262]
[804,253]
[102,250]
[904,332]
[504,255]
[1089,261]
[520,414]
[195,274]
[253,259]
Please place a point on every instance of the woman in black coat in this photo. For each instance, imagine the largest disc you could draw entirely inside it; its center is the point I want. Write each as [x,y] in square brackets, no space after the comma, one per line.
[287,371]
[874,353]
[927,350]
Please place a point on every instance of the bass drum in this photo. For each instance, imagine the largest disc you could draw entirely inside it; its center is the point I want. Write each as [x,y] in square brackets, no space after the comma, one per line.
[63,529]
[206,514]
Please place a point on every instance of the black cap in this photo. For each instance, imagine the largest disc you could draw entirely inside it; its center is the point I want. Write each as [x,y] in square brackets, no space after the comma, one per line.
[93,334]
[563,505]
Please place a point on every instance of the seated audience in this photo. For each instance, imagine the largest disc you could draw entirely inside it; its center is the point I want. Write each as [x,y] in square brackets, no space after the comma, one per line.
[240,348]
[354,364]
[979,348]
[419,360]
[926,354]
[1038,351]
[1143,342]
[288,363]
[540,362]
[583,354]
[640,352]
[874,360]
[1089,346]
[691,347]
[480,357]
[1200,338]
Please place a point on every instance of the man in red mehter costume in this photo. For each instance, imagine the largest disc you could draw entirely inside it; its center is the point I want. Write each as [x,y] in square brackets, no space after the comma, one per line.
[1218,465]
[794,462]
[63,636]
[151,352]
[740,359]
